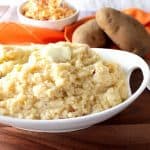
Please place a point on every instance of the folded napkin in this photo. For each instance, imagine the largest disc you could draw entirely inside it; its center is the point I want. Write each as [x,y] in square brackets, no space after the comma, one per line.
[15,33]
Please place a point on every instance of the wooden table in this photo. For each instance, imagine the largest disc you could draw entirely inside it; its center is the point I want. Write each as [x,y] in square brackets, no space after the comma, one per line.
[129,130]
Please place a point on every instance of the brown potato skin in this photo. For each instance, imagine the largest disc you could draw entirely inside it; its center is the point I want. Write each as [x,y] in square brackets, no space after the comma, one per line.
[124,31]
[90,33]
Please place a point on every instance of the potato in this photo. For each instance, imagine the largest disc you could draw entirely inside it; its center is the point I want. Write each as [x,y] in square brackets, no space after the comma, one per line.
[90,33]
[124,30]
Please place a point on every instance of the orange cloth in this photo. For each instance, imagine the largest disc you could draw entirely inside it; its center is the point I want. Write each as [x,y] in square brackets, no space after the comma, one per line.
[13,33]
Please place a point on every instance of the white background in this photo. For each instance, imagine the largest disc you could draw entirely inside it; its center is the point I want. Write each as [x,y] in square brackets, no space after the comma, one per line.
[95,4]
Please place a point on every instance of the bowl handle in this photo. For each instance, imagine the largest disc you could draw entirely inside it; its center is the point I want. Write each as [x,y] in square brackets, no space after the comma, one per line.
[139,63]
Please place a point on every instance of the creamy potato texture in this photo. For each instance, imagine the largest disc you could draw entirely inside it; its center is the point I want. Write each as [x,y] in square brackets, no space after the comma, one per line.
[59,80]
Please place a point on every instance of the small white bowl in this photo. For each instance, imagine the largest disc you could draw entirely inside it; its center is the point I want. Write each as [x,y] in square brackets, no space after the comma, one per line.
[127,61]
[51,24]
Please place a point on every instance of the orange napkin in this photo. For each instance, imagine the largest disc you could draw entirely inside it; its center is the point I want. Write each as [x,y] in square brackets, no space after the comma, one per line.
[13,33]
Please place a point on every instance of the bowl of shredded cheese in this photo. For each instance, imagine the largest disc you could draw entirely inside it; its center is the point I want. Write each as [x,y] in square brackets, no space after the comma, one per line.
[52,14]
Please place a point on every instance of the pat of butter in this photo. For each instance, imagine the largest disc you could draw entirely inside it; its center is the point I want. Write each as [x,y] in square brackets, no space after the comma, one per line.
[56,53]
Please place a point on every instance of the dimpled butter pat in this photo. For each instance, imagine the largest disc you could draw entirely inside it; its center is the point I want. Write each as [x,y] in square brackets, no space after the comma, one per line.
[57,53]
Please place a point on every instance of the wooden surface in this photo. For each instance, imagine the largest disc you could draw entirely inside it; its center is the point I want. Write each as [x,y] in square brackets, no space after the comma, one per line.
[128,130]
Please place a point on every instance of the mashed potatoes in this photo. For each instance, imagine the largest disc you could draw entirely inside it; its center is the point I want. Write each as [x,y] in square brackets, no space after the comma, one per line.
[60,80]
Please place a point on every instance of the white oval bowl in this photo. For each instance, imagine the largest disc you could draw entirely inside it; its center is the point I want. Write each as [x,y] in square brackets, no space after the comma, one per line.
[127,61]
[51,24]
